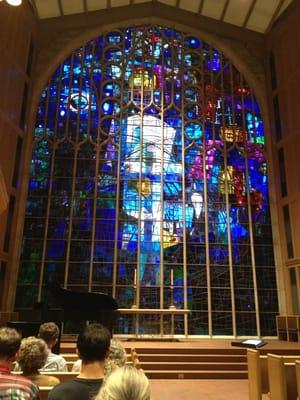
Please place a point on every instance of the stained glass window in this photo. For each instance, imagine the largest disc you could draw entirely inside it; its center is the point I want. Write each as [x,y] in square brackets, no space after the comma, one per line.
[148,162]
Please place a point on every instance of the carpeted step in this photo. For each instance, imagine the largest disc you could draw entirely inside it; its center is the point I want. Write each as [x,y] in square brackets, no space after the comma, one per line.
[191,350]
[194,366]
[190,357]
[188,374]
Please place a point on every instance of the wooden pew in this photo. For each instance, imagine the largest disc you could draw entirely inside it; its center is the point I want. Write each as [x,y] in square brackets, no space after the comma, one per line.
[44,391]
[62,376]
[298,376]
[72,357]
[254,375]
[135,363]
[258,379]
[282,378]
[131,359]
[134,359]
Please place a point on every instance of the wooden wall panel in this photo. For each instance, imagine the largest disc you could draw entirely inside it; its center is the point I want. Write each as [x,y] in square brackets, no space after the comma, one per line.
[295,215]
[284,41]
[17,26]
[8,140]
[4,199]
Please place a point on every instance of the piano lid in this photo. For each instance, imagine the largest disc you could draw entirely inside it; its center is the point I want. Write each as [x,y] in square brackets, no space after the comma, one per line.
[87,301]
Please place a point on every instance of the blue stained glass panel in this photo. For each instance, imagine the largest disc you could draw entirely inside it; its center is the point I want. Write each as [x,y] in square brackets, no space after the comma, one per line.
[148,162]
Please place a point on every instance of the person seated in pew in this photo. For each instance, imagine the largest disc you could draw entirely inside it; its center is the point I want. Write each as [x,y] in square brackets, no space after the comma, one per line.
[125,383]
[115,359]
[92,348]
[49,332]
[13,387]
[31,358]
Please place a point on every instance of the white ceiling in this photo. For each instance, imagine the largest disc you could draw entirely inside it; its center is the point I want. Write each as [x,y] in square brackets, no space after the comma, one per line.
[256,15]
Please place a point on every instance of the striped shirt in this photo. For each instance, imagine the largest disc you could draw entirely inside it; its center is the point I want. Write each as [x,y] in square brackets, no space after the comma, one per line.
[16,387]
[55,362]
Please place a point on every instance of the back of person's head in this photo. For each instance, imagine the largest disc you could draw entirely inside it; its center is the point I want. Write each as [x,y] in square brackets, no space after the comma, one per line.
[116,357]
[117,352]
[49,332]
[125,383]
[10,341]
[32,355]
[93,343]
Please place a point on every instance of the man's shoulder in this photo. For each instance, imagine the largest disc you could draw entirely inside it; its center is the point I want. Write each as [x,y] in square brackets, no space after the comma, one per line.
[18,385]
[66,384]
[19,379]
[55,362]
[77,382]
[53,356]
[69,384]
[78,388]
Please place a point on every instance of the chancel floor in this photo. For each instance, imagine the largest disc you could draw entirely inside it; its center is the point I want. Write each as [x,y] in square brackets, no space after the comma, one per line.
[198,389]
[218,370]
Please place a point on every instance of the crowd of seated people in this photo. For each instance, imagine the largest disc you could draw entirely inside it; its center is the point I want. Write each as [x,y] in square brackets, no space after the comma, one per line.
[101,358]
[49,333]
[116,358]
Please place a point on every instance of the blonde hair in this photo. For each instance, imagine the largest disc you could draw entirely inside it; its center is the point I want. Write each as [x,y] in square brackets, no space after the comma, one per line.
[125,383]
[32,355]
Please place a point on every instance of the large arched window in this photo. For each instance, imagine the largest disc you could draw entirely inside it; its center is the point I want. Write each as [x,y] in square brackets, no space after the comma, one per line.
[148,168]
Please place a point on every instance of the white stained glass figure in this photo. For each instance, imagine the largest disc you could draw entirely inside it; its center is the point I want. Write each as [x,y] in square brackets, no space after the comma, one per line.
[197,201]
[142,195]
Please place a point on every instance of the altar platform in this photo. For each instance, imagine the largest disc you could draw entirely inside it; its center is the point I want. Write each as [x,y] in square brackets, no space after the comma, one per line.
[194,358]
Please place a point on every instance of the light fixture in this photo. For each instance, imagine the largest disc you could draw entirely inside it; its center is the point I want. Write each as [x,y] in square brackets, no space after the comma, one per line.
[14,2]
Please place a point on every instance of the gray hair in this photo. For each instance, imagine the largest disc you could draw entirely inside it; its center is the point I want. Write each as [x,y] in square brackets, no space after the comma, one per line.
[125,383]
[32,355]
[117,352]
[116,357]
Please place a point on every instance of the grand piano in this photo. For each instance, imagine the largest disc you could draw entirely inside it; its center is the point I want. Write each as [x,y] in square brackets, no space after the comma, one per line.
[85,306]
[67,305]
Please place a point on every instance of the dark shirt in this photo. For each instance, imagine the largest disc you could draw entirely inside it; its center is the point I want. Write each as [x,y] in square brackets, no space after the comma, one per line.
[76,389]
